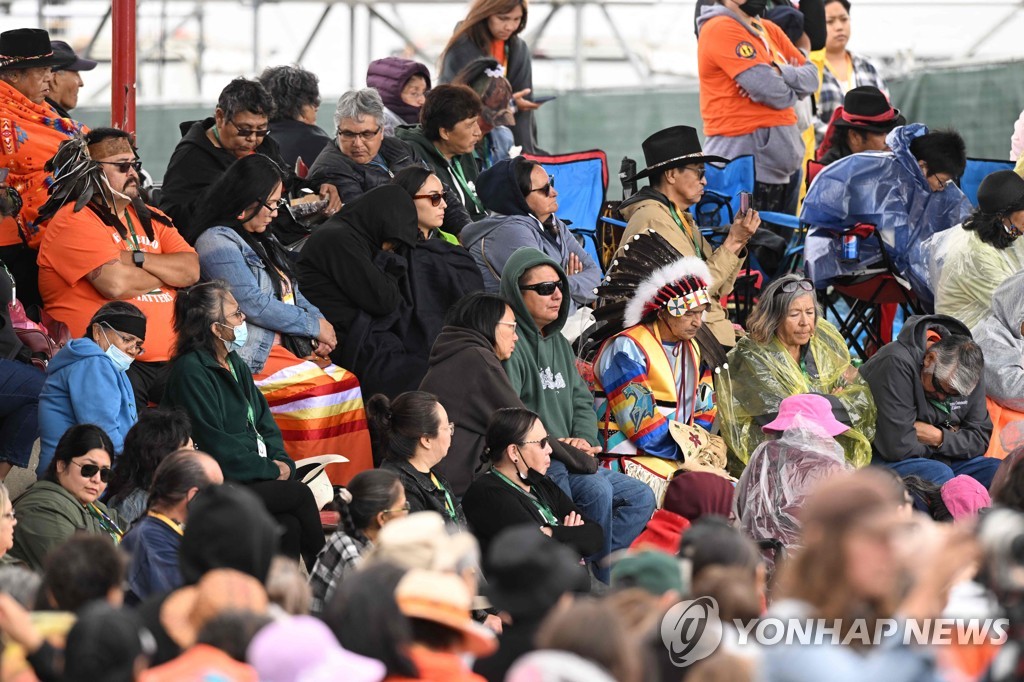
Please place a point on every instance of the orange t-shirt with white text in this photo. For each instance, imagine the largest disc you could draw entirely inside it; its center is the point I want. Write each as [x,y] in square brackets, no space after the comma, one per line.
[75,244]
[725,50]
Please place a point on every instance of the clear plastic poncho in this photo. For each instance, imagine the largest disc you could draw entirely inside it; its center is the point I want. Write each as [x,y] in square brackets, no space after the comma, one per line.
[779,477]
[760,376]
[887,190]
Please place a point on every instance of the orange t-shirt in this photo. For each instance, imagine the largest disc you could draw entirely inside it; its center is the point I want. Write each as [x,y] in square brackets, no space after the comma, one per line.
[199,663]
[725,50]
[74,245]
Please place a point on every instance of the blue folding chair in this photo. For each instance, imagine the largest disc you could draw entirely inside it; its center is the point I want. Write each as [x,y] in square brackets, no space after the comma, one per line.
[976,171]
[581,179]
[724,184]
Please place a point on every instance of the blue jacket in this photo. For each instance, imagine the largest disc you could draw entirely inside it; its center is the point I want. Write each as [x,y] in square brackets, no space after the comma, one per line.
[83,386]
[154,567]
[885,189]
[223,254]
[493,239]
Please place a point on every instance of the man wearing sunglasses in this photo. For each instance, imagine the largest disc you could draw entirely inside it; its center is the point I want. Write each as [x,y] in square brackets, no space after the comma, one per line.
[239,127]
[543,371]
[932,418]
[112,248]
[676,175]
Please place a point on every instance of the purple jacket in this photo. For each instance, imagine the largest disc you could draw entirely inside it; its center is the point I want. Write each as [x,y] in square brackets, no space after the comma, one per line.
[388,76]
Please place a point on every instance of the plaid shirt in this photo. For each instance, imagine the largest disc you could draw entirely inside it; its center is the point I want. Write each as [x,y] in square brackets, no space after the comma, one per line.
[831,94]
[339,556]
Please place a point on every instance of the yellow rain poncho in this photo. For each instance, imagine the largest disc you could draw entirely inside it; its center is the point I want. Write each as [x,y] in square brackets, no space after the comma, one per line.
[759,376]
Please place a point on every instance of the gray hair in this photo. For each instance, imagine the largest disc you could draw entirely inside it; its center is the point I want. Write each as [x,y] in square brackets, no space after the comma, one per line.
[773,306]
[959,363]
[358,103]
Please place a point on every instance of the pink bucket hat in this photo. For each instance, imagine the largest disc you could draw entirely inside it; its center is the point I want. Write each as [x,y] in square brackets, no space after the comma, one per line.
[806,409]
[964,497]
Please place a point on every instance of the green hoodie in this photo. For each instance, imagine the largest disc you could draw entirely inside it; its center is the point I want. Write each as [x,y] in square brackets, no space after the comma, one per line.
[543,367]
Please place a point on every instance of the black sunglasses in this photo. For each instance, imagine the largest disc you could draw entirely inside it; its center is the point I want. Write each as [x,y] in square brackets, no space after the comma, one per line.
[123,166]
[543,442]
[90,470]
[435,198]
[790,287]
[543,288]
[260,133]
[546,188]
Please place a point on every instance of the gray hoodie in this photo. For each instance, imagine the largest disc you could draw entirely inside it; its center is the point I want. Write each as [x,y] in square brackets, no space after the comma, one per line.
[778,152]
[999,336]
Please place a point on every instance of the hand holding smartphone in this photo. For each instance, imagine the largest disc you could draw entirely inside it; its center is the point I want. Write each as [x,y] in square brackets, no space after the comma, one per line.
[745,198]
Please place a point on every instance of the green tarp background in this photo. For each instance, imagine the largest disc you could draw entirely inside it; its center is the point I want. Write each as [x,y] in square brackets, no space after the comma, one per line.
[982,102]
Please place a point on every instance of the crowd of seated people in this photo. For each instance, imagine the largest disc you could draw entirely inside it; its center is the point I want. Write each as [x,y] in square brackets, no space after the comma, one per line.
[348,350]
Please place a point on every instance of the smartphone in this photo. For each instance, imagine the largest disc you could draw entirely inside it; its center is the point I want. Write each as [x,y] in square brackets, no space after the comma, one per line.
[544,98]
[744,202]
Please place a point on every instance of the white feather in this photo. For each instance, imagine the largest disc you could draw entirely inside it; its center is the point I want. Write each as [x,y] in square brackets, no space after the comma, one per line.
[689,266]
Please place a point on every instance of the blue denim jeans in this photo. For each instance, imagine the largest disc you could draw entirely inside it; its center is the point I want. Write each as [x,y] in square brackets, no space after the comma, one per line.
[20,385]
[981,469]
[621,504]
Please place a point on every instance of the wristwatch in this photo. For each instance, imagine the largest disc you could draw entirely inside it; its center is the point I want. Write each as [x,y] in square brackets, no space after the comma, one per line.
[138,257]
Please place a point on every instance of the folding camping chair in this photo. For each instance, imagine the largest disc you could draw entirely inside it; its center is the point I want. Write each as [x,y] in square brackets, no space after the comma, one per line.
[976,171]
[581,179]
[871,298]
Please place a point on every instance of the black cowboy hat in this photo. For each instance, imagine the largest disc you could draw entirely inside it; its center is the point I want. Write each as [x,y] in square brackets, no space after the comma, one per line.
[867,108]
[26,48]
[671,148]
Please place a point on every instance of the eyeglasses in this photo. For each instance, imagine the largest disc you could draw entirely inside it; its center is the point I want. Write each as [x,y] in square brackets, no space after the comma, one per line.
[9,516]
[237,315]
[133,346]
[451,428]
[543,288]
[124,166]
[365,136]
[701,172]
[435,198]
[543,442]
[405,508]
[90,470]
[548,188]
[259,133]
[508,324]
[279,205]
[804,284]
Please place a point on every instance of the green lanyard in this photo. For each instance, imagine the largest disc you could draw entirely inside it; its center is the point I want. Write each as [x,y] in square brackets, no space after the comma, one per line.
[449,503]
[131,228]
[941,406]
[250,415]
[545,511]
[106,523]
[687,230]
[457,169]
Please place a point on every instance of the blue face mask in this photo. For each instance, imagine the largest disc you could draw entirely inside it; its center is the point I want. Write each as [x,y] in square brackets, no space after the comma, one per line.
[120,359]
[241,336]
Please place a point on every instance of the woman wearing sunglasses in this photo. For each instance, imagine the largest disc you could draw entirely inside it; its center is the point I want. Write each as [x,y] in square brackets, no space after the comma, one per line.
[515,490]
[522,199]
[288,341]
[86,381]
[428,193]
[65,500]
[791,350]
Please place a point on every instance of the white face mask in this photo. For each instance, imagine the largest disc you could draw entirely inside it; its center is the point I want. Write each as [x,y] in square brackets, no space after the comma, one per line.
[120,359]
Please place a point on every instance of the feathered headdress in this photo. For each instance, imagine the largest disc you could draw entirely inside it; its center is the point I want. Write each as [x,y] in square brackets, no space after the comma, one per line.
[78,178]
[649,276]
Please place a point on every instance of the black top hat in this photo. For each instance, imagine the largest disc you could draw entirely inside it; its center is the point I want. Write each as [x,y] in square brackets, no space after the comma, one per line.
[671,148]
[867,108]
[25,48]
[66,54]
[1001,192]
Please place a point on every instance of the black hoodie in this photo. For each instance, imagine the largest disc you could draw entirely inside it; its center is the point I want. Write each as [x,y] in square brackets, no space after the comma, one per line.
[468,379]
[894,374]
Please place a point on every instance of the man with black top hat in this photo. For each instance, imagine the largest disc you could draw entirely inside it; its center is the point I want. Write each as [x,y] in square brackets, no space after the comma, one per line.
[30,132]
[860,125]
[66,82]
[675,168]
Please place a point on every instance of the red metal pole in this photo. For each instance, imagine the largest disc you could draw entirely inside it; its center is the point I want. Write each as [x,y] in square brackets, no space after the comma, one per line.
[122,84]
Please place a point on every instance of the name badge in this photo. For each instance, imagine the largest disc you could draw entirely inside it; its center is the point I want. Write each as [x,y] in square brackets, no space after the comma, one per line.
[261,447]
